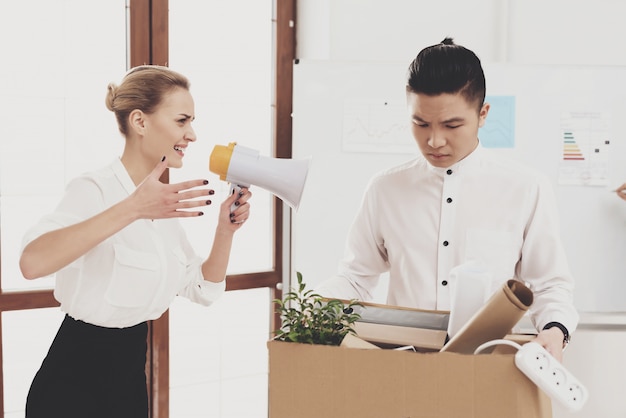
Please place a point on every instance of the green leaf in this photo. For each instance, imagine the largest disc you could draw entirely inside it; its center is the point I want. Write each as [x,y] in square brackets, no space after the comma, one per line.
[308,318]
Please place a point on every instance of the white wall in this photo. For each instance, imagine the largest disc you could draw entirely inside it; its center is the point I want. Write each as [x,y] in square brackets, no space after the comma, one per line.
[373,33]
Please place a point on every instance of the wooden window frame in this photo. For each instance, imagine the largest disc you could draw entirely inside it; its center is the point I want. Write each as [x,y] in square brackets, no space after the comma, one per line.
[148,44]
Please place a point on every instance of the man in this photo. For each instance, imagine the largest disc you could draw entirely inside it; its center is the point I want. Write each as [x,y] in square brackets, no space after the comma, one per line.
[458,203]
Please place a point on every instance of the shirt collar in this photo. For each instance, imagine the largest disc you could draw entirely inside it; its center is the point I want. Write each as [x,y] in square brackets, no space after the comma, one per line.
[469,161]
[122,176]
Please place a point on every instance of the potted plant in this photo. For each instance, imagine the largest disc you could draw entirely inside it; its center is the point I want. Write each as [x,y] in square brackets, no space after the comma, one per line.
[311,319]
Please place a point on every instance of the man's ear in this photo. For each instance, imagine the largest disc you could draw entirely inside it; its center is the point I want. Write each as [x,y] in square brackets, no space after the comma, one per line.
[137,121]
[482,115]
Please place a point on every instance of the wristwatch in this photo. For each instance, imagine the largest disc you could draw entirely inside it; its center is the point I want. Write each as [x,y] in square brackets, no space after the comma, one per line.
[566,336]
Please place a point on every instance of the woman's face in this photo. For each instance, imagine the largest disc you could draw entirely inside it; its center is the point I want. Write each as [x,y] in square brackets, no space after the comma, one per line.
[445,127]
[168,130]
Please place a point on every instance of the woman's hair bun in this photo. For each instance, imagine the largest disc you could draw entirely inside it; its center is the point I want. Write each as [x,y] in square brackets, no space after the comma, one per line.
[110,97]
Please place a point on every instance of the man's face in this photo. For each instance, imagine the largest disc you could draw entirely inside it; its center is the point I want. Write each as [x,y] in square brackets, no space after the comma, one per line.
[445,127]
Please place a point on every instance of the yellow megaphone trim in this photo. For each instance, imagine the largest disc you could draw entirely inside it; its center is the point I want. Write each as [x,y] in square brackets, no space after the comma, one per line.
[220,159]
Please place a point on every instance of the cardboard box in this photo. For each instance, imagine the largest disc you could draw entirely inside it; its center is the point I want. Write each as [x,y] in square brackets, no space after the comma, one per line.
[315,381]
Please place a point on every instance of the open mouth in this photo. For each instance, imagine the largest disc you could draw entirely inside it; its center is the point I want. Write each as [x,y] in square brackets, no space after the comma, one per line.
[180,150]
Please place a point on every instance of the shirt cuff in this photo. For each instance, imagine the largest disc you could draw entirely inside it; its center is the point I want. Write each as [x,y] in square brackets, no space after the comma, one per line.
[212,290]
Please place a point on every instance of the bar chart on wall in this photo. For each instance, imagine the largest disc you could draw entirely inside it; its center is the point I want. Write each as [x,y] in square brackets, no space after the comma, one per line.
[586,148]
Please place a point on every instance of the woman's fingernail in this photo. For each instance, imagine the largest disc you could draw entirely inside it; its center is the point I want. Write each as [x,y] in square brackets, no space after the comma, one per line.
[200,213]
[205,182]
[237,203]
[163,159]
[211,191]
[232,215]
[208,202]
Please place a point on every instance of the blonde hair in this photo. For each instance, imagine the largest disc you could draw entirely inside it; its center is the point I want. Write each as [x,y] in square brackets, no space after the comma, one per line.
[142,88]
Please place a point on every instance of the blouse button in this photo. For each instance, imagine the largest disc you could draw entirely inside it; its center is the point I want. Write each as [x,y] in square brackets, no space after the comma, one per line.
[449,200]
[449,172]
[444,283]
[445,243]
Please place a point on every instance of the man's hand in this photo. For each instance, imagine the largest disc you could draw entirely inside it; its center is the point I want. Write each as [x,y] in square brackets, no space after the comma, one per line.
[552,340]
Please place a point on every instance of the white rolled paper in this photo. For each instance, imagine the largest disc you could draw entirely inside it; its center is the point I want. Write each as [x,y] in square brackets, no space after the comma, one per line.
[470,285]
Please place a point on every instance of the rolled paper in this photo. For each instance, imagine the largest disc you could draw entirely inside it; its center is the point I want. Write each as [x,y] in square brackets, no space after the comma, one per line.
[494,320]
[469,290]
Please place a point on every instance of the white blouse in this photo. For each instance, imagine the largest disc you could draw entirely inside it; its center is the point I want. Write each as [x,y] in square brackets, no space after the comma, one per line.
[418,222]
[134,275]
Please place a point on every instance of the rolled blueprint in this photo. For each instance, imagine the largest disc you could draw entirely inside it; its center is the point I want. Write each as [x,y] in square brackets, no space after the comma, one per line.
[494,320]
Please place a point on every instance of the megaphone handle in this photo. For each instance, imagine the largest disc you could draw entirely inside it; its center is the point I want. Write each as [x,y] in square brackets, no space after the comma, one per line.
[234,188]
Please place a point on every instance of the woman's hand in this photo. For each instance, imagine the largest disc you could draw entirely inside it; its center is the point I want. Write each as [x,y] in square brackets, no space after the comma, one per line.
[155,200]
[214,267]
[235,210]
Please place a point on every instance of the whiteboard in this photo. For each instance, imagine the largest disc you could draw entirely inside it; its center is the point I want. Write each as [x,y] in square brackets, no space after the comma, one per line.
[593,220]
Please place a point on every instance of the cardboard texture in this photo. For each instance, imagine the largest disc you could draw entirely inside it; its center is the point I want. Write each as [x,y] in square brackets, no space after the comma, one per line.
[314,381]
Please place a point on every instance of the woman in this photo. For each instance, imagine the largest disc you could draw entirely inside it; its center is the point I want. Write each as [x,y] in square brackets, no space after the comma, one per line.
[120,254]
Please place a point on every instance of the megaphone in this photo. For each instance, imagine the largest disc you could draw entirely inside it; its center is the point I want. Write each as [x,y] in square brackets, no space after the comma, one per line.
[242,166]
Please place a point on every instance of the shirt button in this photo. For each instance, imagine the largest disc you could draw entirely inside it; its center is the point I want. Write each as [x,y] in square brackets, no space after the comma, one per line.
[449,200]
[449,172]
[445,243]
[444,283]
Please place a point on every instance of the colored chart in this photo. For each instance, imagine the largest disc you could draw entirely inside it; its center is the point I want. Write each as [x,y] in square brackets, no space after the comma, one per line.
[571,150]
[585,152]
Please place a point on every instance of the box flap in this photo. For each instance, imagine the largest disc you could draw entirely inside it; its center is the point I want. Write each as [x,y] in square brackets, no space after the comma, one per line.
[352,341]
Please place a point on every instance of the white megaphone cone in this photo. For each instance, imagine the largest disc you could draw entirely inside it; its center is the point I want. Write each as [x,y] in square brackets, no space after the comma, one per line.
[243,167]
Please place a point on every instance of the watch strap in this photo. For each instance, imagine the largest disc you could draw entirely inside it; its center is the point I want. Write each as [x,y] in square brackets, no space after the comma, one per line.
[566,336]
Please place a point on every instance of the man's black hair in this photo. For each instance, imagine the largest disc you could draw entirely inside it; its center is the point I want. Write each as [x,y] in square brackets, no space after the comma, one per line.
[447,68]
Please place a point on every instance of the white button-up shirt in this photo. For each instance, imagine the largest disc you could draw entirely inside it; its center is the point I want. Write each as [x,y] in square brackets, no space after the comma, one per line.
[418,222]
[134,275]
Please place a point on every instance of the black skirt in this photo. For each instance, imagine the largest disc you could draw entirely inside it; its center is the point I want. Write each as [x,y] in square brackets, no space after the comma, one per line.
[92,371]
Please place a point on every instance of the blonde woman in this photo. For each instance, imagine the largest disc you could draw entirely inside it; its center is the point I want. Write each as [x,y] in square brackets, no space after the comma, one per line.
[121,256]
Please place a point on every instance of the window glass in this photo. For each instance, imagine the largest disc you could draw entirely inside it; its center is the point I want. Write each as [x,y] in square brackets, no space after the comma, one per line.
[218,355]
[26,337]
[225,48]
[54,124]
